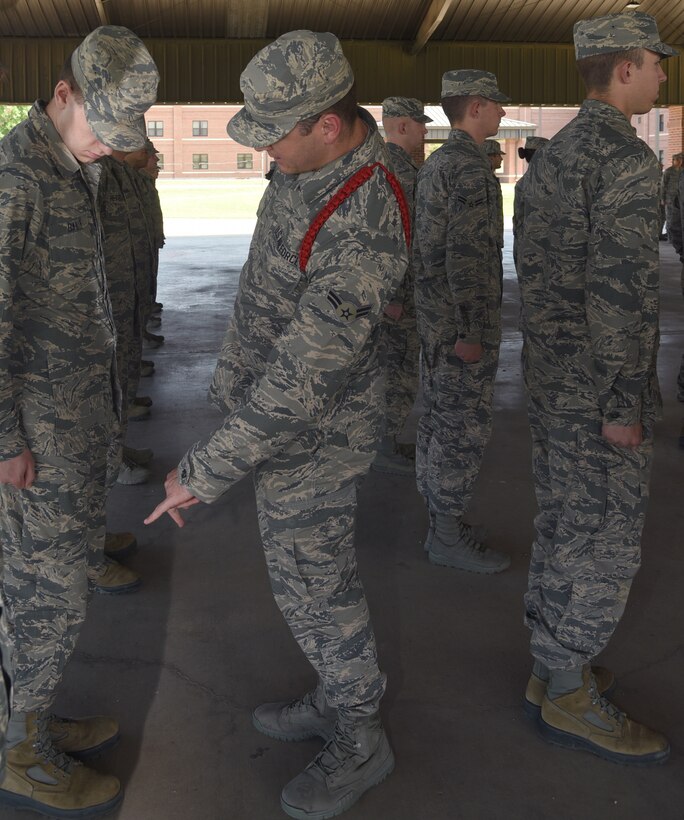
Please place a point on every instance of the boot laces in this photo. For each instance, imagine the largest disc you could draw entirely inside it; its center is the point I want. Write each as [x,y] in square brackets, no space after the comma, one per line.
[307,701]
[610,709]
[44,747]
[338,752]
[467,538]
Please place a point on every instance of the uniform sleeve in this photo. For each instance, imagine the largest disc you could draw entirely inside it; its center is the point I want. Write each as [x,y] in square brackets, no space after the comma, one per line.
[622,286]
[16,210]
[310,365]
[675,225]
[467,234]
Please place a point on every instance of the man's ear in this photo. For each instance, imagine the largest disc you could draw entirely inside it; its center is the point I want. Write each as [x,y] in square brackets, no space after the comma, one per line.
[331,127]
[624,71]
[62,93]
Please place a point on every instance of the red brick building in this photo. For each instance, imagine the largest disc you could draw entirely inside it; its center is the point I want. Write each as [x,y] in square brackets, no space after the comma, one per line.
[193,142]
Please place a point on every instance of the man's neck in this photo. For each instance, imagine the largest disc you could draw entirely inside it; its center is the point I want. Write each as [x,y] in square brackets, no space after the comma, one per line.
[471,128]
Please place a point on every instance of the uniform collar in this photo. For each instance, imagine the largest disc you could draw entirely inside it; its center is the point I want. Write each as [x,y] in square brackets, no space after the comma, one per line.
[64,160]
[313,184]
[607,112]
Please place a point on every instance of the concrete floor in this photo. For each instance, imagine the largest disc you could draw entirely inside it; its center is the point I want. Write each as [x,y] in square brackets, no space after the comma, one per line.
[183,662]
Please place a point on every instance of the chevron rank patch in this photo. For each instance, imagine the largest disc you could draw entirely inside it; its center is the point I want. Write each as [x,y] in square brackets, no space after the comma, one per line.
[346,310]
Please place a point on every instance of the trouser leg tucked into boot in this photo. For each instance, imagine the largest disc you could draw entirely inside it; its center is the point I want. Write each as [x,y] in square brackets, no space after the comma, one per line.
[356,758]
[453,545]
[583,719]
[300,719]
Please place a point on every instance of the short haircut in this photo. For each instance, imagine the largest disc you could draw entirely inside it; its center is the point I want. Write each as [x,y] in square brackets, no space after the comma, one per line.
[346,109]
[67,75]
[597,71]
[455,107]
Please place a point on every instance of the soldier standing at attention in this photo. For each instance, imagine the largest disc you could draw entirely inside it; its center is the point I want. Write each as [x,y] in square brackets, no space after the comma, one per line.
[587,257]
[457,259]
[59,403]
[404,121]
[495,155]
[670,187]
[300,381]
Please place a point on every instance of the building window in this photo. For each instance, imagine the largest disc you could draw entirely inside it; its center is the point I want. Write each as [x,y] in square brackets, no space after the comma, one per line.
[200,128]
[245,161]
[160,161]
[661,122]
[155,128]
[200,162]
[661,157]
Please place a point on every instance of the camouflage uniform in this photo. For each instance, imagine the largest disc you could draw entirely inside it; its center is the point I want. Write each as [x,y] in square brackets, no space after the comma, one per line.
[144,254]
[675,233]
[457,260]
[403,347]
[119,265]
[587,257]
[58,398]
[300,381]
[670,187]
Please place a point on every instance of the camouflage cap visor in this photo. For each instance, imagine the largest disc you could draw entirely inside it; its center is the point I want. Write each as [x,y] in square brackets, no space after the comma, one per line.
[245,129]
[121,135]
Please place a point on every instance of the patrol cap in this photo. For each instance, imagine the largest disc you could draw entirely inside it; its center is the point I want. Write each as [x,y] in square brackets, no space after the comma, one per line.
[404,107]
[618,32]
[492,147]
[535,143]
[118,79]
[471,82]
[297,76]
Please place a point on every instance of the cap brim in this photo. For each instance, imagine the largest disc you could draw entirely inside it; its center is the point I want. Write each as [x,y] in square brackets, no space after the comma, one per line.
[243,128]
[663,49]
[496,96]
[424,118]
[120,135]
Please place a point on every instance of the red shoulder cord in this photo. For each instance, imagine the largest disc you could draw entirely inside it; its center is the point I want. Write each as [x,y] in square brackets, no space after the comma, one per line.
[352,184]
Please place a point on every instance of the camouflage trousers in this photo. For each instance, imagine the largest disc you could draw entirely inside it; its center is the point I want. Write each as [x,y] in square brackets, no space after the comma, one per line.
[680,376]
[47,533]
[592,501]
[402,352]
[455,428]
[308,539]
[4,708]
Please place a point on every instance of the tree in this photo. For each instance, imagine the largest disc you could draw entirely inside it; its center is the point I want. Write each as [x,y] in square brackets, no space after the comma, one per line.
[11,115]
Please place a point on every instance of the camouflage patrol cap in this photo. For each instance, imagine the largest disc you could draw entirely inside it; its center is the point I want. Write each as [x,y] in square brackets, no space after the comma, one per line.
[297,76]
[618,32]
[470,82]
[118,79]
[535,143]
[492,147]
[404,107]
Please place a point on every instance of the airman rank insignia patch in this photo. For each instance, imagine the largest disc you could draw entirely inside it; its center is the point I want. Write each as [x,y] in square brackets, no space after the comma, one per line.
[347,310]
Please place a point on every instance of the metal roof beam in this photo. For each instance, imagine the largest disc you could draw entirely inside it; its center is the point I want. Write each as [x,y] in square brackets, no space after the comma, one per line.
[101,12]
[432,20]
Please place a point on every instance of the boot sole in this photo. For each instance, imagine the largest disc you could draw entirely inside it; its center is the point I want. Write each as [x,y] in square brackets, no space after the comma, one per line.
[21,802]
[569,741]
[346,802]
[288,738]
[122,590]
[438,561]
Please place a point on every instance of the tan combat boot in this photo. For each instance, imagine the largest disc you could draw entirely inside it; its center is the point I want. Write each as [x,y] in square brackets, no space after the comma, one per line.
[40,778]
[83,737]
[113,578]
[583,719]
[120,544]
[536,688]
